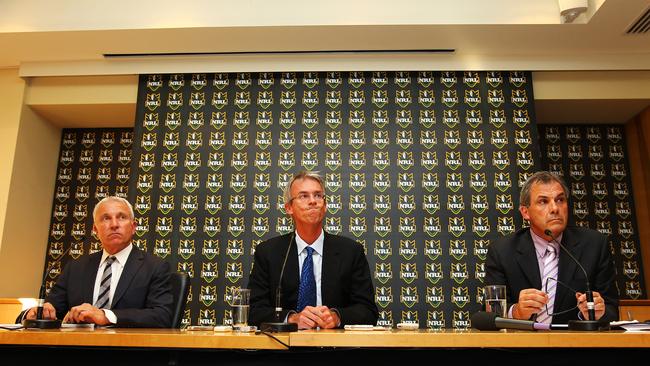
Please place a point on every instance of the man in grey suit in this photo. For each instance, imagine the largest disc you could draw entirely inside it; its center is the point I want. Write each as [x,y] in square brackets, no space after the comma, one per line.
[121,285]
[543,282]
[326,281]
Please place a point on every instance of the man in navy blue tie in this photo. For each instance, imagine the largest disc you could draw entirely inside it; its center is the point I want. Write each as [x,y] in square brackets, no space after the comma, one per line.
[326,281]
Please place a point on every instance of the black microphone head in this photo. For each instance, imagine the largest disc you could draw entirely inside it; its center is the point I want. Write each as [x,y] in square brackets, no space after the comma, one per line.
[548,232]
[483,320]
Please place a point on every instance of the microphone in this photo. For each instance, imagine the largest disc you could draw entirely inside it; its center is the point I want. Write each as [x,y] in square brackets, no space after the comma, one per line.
[39,322]
[483,320]
[278,325]
[583,325]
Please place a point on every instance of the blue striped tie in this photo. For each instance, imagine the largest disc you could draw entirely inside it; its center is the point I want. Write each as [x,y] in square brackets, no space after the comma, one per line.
[105,286]
[307,288]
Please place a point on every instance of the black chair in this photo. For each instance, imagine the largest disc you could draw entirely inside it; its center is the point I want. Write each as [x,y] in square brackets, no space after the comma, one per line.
[180,283]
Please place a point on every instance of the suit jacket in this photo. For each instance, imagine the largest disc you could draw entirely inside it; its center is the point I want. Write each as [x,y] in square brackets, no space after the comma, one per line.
[346,284]
[512,261]
[142,298]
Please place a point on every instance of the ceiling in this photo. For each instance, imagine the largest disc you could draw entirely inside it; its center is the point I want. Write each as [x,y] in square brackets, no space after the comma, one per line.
[73,37]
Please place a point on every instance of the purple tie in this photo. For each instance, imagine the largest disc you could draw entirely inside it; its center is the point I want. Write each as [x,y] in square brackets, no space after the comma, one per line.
[550,271]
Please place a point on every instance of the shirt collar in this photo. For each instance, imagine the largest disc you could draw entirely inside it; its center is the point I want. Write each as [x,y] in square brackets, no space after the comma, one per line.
[541,244]
[120,256]
[317,245]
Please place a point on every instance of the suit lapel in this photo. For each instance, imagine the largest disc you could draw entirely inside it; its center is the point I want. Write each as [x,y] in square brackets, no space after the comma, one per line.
[329,270]
[131,268]
[567,267]
[90,275]
[527,259]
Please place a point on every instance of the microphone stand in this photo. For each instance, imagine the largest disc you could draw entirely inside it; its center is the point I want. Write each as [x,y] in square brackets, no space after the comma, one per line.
[279,325]
[591,324]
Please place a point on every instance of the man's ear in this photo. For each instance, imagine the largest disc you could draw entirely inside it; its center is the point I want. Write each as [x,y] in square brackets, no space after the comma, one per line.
[524,212]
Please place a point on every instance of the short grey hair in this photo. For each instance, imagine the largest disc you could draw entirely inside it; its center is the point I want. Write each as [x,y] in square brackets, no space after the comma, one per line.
[114,199]
[542,177]
[305,174]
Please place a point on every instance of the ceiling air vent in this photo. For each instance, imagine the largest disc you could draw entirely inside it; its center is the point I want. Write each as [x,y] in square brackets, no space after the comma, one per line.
[642,25]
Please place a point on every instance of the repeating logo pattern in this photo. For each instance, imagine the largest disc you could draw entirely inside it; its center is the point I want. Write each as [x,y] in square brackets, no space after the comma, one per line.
[592,160]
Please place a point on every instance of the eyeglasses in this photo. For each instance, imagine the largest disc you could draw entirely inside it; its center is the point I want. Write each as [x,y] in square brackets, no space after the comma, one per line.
[305,197]
[546,286]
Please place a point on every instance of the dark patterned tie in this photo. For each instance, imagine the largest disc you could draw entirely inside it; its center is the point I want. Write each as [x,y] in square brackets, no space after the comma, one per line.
[307,288]
[105,286]
[550,271]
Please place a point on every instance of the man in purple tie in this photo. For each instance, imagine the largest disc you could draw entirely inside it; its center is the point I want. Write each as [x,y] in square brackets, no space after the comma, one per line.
[543,282]
[326,280]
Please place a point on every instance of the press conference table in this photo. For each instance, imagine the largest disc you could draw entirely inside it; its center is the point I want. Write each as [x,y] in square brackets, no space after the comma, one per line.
[154,346]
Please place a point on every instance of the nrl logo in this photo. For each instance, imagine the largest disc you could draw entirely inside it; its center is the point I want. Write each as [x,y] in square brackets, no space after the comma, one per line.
[175,100]
[427,118]
[596,152]
[333,118]
[456,226]
[210,249]
[406,203]
[215,162]
[310,98]
[408,272]
[429,159]
[242,120]
[477,181]
[234,272]
[310,79]
[192,161]
[476,160]
[334,204]
[426,98]
[407,249]
[356,79]
[238,182]
[124,157]
[154,82]
[430,181]
[261,182]
[481,248]
[454,181]
[235,249]
[262,160]
[218,120]
[404,138]
[123,174]
[145,182]
[496,99]
[56,250]
[288,99]
[460,295]
[357,98]
[383,296]
[451,119]
[453,160]
[383,272]
[264,99]
[333,181]
[176,81]
[236,226]
[333,160]
[379,98]
[380,138]
[379,78]
[333,79]
[238,161]
[552,134]
[601,209]
[142,206]
[499,139]
[76,250]
[625,229]
[593,134]
[243,80]
[428,138]
[208,318]
[407,226]
[86,157]
[165,204]
[58,230]
[597,171]
[194,140]
[633,289]
[430,203]
[310,118]
[472,98]
[502,181]
[630,269]
[405,159]
[457,249]
[433,271]
[623,209]
[217,139]
[358,226]
[504,203]
[402,78]
[425,78]
[383,249]
[189,204]
[219,99]
[333,139]
[220,80]
[104,174]
[79,212]
[576,171]
[525,159]
[105,157]
[409,296]
[237,204]
[381,203]
[212,225]
[152,101]
[473,118]
[521,118]
[284,225]
[171,140]
[88,139]
[614,135]
[208,293]
[65,175]
[197,100]
[553,152]
[458,273]
[405,181]
[619,171]
[517,78]
[172,121]
[505,225]
[432,250]
[309,139]
[82,193]
[479,203]
[455,203]
[287,139]
[357,119]
[357,203]
[186,248]
[358,181]
[261,204]
[480,226]
[69,139]
[288,80]
[403,98]
[432,226]
[578,190]
[164,226]
[628,249]
[449,98]
[108,139]
[448,79]
[471,78]
[604,227]
[497,118]
[410,317]
[309,160]
[575,152]
[78,231]
[404,118]
[67,157]
[101,192]
[620,190]
[435,297]
[500,159]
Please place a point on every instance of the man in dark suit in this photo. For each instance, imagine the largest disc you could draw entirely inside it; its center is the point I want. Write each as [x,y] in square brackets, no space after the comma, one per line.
[121,286]
[326,281]
[543,282]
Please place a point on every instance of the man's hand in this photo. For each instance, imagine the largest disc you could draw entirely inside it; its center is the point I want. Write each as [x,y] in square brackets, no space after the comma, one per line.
[315,316]
[599,305]
[86,313]
[48,312]
[531,301]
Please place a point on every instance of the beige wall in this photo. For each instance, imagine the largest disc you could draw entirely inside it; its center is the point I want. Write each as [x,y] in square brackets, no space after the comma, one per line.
[29,202]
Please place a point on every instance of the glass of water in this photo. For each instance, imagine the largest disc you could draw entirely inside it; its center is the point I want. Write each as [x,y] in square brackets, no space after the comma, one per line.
[240,306]
[494,297]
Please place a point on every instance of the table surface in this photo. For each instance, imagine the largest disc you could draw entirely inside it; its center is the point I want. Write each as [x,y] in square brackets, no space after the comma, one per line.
[171,338]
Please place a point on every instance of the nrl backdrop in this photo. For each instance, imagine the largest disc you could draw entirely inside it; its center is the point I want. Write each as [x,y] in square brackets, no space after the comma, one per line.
[422,168]
[593,161]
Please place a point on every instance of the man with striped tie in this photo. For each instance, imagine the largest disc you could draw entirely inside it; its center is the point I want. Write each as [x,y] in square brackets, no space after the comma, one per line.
[121,285]
[543,282]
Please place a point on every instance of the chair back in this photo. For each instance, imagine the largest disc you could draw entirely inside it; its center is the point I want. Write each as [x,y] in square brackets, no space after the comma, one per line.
[180,284]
